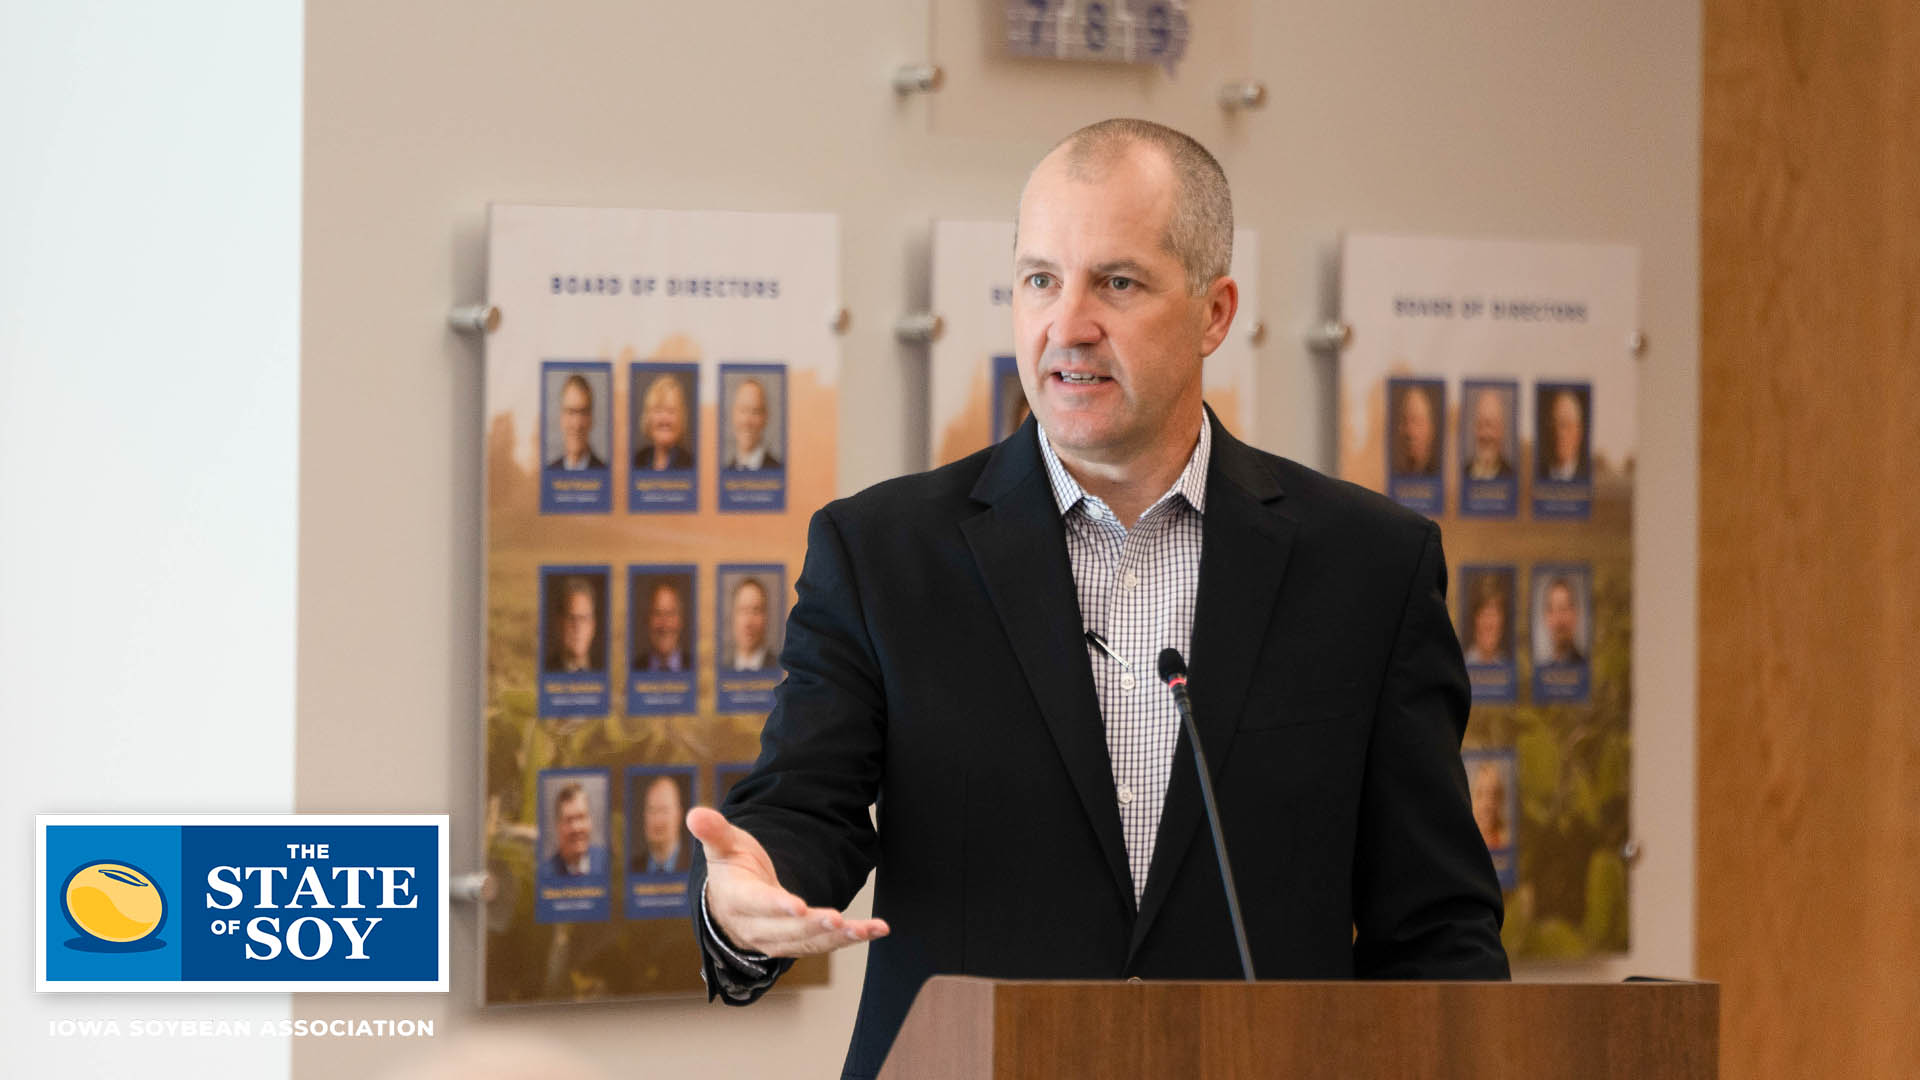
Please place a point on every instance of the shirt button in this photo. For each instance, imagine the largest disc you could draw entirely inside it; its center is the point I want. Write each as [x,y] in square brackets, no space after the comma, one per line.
[1130,580]
[1126,680]
[1126,795]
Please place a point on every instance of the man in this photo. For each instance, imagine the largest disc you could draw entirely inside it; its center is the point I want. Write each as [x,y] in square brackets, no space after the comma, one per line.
[577,646]
[666,649]
[750,453]
[1489,437]
[1414,448]
[1040,817]
[1564,462]
[662,808]
[747,616]
[575,854]
[1563,623]
[576,423]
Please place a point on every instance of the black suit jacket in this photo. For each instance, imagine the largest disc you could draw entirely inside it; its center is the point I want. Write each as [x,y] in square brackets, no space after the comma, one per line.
[936,664]
[767,461]
[559,464]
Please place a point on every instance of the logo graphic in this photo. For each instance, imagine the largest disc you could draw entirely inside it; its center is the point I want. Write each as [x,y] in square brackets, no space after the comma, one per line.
[116,906]
[269,904]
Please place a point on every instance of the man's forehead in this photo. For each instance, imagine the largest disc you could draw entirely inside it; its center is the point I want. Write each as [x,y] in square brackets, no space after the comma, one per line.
[1128,199]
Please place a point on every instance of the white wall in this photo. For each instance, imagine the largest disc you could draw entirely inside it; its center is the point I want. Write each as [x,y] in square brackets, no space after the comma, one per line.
[149,260]
[1576,121]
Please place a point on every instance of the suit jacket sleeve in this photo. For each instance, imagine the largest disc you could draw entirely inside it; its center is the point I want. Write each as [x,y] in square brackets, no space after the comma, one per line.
[809,796]
[1426,901]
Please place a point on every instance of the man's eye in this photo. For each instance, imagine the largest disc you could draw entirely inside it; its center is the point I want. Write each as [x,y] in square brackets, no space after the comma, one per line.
[1040,281]
[1121,284]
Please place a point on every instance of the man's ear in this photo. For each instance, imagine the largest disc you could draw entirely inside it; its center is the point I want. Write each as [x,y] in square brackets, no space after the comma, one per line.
[1222,300]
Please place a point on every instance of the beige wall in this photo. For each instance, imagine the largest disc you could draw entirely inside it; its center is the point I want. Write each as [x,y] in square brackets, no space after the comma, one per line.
[1499,117]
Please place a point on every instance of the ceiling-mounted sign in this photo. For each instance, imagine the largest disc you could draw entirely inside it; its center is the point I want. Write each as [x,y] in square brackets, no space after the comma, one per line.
[1109,31]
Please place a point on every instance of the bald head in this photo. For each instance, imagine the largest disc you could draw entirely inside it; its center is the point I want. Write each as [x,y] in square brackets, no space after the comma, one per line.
[1200,225]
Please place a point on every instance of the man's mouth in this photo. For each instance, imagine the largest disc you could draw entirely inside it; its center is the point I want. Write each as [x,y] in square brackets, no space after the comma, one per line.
[1079,378]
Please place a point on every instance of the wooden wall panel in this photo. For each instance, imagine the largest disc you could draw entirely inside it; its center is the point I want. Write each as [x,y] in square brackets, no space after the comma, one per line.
[1809,755]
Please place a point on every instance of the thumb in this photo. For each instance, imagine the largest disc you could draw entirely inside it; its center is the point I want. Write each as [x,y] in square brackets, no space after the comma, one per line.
[714,832]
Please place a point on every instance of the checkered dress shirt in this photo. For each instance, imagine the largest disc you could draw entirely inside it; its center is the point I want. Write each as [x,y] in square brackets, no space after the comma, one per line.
[1137,589]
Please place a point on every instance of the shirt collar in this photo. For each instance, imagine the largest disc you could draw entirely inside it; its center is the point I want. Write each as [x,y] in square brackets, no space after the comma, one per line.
[1191,484]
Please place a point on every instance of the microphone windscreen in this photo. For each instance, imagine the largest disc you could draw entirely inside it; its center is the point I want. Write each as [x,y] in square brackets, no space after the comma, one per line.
[1171,664]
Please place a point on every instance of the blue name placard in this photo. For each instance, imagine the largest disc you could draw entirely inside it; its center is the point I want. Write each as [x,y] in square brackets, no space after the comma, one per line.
[270,904]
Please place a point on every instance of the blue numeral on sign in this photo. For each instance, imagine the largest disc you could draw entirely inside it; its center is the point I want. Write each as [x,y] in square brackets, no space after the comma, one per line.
[1157,29]
[1096,26]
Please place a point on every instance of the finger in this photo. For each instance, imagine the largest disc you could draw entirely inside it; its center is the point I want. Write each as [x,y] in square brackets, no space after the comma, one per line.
[714,832]
[821,930]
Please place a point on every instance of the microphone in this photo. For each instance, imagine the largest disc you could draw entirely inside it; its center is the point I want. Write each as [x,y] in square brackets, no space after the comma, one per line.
[1173,672]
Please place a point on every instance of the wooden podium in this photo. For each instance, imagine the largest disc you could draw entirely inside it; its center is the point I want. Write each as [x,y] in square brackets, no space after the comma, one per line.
[978,1028]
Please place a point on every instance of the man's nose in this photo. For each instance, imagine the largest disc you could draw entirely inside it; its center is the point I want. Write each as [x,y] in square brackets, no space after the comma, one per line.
[1074,322]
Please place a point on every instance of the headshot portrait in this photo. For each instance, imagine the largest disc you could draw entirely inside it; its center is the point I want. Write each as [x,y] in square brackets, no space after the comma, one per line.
[1490,779]
[725,775]
[1562,604]
[1486,624]
[661,601]
[1494,787]
[573,823]
[576,420]
[657,801]
[753,405]
[751,606]
[663,414]
[1417,409]
[1487,430]
[575,622]
[1563,414]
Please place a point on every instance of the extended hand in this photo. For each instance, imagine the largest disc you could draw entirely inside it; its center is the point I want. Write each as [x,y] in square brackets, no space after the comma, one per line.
[746,901]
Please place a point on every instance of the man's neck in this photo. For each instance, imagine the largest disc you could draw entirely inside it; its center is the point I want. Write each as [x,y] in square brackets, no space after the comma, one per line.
[1130,487]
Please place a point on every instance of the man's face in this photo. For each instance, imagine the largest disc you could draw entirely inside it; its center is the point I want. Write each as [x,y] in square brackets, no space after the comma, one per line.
[1489,425]
[1489,622]
[666,419]
[577,626]
[576,419]
[749,416]
[663,621]
[1562,617]
[575,828]
[1416,429]
[661,820]
[749,618]
[1568,428]
[1108,340]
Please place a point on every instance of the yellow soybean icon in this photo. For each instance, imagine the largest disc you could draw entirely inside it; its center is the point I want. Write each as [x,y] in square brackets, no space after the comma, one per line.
[114,902]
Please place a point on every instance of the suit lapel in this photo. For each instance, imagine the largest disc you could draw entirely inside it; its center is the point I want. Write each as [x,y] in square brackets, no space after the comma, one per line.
[1245,541]
[1021,550]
